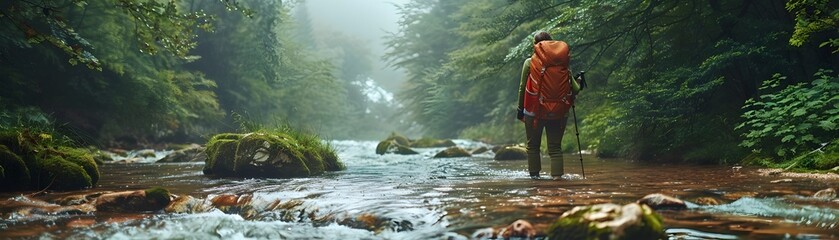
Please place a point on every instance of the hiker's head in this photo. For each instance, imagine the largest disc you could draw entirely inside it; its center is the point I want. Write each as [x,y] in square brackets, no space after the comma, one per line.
[541,36]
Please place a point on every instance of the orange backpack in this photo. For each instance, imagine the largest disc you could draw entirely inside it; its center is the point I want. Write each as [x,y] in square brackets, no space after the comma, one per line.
[548,90]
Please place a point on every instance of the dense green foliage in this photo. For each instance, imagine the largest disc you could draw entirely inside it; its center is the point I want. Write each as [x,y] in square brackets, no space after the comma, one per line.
[147,71]
[797,118]
[668,78]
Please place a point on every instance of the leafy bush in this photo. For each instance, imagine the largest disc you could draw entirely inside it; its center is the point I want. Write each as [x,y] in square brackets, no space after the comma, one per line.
[793,120]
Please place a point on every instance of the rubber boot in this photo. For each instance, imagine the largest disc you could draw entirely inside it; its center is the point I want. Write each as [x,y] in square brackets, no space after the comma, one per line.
[557,166]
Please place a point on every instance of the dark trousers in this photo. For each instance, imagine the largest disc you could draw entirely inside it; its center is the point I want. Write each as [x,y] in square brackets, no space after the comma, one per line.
[554,130]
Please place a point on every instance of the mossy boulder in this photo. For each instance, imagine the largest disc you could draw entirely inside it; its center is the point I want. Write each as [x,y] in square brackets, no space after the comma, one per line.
[55,172]
[15,173]
[453,152]
[37,161]
[221,152]
[608,221]
[83,158]
[153,199]
[392,146]
[269,155]
[432,143]
[511,153]
[480,150]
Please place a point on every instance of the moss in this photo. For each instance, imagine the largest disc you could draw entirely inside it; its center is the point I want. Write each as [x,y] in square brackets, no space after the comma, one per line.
[281,156]
[83,158]
[220,156]
[158,197]
[15,172]
[227,136]
[511,153]
[828,158]
[59,174]
[330,159]
[575,225]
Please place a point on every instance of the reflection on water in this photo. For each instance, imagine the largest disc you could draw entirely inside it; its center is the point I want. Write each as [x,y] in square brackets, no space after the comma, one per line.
[418,197]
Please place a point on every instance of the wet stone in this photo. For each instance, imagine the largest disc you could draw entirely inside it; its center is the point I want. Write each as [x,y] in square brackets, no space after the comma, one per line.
[825,194]
[658,201]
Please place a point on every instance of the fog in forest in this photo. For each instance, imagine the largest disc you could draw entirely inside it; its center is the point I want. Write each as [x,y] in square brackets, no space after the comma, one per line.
[369,21]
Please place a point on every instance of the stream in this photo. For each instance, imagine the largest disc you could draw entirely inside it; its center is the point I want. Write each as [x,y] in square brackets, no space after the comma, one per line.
[420,197]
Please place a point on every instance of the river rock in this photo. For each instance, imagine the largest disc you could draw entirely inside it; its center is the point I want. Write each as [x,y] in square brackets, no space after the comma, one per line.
[660,201]
[185,204]
[484,233]
[146,153]
[392,146]
[15,173]
[79,199]
[608,221]
[825,194]
[519,229]
[452,152]
[480,150]
[152,199]
[193,153]
[32,161]
[269,155]
[707,201]
[511,153]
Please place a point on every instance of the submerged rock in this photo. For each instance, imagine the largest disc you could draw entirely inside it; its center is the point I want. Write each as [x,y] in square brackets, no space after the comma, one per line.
[825,194]
[185,204]
[707,201]
[511,153]
[193,153]
[518,229]
[452,152]
[152,199]
[608,221]
[660,201]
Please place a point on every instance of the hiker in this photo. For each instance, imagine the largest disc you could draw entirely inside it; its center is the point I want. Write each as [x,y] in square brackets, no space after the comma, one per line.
[545,104]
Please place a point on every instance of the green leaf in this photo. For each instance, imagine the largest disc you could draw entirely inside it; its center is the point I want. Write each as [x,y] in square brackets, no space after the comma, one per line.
[787,138]
[799,112]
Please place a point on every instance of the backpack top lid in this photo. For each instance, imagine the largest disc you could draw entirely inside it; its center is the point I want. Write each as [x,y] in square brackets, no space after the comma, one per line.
[552,53]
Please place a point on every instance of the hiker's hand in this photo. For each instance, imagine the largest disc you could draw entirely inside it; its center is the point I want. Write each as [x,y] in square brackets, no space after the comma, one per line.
[520,114]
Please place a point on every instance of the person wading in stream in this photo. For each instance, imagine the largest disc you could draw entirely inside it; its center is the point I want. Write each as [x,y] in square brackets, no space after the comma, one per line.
[546,93]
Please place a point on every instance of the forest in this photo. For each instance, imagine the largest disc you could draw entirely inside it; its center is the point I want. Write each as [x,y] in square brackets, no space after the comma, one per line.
[685,81]
[225,119]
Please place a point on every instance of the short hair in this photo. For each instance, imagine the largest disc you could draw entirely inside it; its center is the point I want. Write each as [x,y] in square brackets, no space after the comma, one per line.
[541,36]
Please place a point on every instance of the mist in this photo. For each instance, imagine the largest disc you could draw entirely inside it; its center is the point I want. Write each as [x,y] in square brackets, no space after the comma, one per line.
[369,21]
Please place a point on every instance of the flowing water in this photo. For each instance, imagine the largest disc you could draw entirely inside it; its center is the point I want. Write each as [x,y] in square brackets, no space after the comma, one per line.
[419,197]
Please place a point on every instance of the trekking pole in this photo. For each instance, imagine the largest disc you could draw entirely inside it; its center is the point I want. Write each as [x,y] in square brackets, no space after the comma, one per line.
[582,77]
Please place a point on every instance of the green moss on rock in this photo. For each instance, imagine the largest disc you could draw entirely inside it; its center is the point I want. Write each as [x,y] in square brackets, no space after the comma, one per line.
[158,197]
[266,155]
[269,154]
[83,158]
[59,174]
[608,221]
[15,172]
[221,152]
